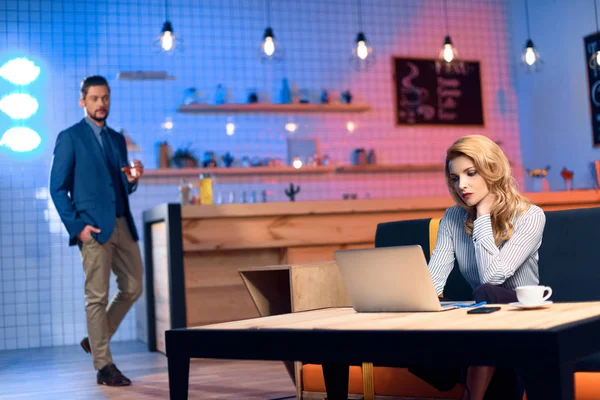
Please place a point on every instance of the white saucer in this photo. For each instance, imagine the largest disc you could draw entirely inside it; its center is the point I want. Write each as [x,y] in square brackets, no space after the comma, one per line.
[542,305]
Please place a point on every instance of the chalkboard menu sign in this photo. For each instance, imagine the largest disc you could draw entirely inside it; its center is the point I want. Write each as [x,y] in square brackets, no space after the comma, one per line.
[591,46]
[428,92]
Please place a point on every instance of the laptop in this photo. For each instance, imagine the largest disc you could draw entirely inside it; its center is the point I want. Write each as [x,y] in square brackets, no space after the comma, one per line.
[390,279]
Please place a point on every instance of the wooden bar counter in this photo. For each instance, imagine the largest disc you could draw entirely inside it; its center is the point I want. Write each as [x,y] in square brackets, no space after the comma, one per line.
[193,253]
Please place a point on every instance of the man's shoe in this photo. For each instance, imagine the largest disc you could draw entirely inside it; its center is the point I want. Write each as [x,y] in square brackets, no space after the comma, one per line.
[85,345]
[111,376]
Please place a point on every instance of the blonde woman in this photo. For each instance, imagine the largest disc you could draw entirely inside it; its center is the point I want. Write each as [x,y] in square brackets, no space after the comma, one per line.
[494,234]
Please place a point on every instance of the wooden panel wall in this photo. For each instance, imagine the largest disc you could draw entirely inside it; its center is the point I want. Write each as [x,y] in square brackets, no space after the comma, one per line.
[309,254]
[214,289]
[287,231]
[161,284]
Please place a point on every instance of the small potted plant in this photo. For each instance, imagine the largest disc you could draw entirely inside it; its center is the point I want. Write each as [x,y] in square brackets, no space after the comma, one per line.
[567,177]
[184,158]
[540,183]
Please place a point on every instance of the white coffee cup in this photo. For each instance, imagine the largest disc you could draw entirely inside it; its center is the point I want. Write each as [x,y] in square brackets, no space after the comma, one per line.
[533,295]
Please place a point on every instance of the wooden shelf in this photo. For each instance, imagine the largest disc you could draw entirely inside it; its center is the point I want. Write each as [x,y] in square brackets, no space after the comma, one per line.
[390,168]
[271,108]
[170,172]
[144,76]
[168,78]
[182,172]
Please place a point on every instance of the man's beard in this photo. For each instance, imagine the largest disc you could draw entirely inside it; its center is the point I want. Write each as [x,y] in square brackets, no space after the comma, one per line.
[98,119]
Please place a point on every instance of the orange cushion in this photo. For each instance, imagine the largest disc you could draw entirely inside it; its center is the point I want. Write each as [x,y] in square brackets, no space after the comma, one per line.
[587,386]
[313,381]
[401,383]
[387,382]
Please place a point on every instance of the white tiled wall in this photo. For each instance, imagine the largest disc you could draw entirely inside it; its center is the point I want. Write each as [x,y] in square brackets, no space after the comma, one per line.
[554,104]
[41,279]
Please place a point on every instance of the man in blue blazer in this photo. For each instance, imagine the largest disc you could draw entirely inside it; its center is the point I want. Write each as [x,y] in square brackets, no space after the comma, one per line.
[90,183]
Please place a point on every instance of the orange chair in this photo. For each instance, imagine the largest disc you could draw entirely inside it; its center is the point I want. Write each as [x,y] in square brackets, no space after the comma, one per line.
[398,383]
[385,381]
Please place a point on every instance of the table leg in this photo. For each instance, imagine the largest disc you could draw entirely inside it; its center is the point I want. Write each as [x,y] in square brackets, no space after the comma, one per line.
[336,381]
[179,377]
[549,382]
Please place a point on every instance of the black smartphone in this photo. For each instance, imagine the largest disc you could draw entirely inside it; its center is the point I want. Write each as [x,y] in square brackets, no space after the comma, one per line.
[483,310]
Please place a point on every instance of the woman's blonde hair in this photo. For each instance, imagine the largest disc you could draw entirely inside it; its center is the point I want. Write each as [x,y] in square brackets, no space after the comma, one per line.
[491,163]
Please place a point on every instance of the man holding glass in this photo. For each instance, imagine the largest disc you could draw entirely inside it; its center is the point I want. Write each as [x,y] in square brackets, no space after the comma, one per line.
[90,183]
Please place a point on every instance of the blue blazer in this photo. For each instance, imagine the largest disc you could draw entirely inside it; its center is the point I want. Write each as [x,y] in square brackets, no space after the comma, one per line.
[81,184]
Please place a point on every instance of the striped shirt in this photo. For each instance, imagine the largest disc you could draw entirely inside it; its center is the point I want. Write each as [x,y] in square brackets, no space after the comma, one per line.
[513,263]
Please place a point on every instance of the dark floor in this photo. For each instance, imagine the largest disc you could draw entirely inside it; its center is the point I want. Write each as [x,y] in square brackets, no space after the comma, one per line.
[67,373]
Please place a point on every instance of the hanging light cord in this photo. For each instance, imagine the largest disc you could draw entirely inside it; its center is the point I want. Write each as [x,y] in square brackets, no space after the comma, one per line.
[166,10]
[446,17]
[358,8]
[268,13]
[527,19]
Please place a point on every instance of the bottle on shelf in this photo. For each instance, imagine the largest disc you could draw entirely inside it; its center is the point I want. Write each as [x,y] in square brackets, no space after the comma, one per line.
[206,189]
[185,192]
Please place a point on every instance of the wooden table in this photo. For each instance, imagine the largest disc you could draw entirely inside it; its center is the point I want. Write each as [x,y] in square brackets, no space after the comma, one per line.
[542,344]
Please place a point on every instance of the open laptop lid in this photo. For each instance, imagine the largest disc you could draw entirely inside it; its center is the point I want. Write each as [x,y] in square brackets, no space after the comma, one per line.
[388,279]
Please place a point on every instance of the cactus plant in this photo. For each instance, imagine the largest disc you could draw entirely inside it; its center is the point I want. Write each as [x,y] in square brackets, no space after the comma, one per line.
[292,192]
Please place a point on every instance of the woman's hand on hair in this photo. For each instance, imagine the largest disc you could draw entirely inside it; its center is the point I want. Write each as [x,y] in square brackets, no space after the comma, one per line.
[486,204]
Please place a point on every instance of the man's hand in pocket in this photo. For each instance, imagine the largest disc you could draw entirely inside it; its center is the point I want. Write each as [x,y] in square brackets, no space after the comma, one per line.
[86,233]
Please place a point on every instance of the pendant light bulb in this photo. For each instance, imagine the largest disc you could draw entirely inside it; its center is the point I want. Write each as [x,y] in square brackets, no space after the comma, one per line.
[530,57]
[167,39]
[271,49]
[362,51]
[449,53]
[362,54]
[268,44]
